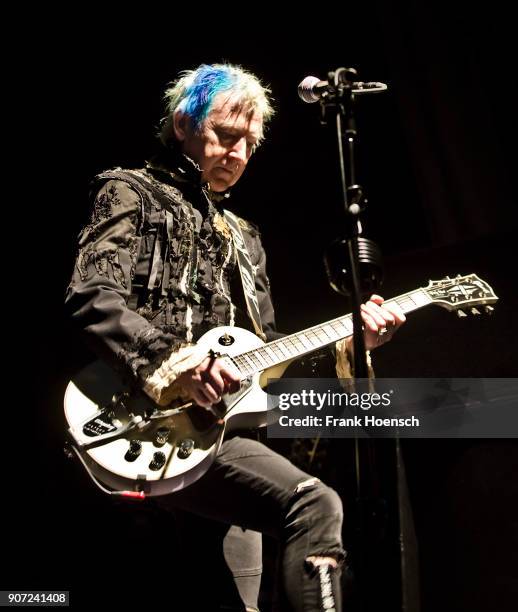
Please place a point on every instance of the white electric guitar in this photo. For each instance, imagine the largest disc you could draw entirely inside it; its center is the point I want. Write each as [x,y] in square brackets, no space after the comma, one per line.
[136,448]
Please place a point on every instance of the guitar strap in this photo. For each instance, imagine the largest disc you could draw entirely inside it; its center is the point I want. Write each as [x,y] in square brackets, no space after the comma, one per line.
[246,271]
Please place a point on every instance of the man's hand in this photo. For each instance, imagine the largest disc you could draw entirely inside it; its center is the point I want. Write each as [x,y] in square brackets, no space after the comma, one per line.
[206,383]
[380,322]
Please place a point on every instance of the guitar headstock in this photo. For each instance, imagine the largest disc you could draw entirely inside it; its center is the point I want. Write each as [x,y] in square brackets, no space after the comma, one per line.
[466,292]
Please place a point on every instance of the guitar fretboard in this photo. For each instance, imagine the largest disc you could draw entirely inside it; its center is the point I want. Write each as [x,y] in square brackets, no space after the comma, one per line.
[314,338]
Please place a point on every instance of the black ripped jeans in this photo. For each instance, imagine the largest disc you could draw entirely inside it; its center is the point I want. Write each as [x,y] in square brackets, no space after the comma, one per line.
[252,487]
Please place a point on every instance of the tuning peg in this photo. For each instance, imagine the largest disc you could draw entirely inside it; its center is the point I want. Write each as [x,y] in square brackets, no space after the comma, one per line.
[461,313]
[489,309]
[475,311]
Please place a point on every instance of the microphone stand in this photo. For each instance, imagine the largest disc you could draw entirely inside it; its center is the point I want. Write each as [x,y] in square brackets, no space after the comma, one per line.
[353,264]
[354,267]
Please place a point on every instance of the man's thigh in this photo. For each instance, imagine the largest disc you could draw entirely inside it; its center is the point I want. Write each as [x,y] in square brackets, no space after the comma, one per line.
[248,485]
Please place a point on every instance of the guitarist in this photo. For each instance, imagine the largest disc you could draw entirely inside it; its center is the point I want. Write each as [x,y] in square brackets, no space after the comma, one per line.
[156,268]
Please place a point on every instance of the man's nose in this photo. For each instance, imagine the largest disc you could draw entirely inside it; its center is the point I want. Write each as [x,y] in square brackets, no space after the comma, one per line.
[239,151]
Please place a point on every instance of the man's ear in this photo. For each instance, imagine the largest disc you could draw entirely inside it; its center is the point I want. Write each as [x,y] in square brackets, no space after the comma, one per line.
[180,125]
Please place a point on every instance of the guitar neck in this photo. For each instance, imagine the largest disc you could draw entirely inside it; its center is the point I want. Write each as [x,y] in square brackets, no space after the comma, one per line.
[316,337]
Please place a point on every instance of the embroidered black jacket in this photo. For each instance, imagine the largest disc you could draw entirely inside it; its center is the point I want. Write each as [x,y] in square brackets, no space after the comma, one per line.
[156,266]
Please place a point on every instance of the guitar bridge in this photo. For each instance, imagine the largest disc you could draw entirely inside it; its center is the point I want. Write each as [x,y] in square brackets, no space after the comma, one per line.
[110,423]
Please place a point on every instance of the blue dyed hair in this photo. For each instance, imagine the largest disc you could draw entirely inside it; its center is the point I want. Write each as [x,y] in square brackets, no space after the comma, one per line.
[200,93]
[195,91]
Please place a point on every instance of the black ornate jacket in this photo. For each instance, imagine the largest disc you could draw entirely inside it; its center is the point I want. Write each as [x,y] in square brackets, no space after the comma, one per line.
[157,268]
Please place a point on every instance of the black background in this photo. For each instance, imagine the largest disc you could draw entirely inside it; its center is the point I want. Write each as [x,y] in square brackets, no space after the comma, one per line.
[436,159]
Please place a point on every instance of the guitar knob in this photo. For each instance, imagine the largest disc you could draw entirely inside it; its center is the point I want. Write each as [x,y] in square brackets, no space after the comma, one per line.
[474,311]
[134,450]
[157,462]
[162,435]
[185,449]
[489,309]
[461,313]
[226,340]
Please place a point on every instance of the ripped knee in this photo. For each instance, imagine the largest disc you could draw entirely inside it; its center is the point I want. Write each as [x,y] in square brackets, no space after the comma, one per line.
[310,482]
[319,495]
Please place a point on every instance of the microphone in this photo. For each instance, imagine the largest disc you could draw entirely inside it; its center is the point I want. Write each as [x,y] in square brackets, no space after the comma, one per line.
[312,89]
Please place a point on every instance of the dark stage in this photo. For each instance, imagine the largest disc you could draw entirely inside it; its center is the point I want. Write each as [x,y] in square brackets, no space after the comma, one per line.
[437,161]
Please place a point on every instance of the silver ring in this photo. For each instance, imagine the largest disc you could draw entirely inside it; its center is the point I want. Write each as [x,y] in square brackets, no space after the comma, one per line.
[382,331]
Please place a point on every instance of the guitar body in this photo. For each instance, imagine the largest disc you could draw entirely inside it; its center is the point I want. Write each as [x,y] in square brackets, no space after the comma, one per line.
[194,434]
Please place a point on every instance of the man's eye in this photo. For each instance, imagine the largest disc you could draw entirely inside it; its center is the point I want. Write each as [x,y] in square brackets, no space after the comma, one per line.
[226,136]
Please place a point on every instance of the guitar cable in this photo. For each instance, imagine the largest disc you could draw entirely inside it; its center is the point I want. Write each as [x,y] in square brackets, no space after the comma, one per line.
[127,494]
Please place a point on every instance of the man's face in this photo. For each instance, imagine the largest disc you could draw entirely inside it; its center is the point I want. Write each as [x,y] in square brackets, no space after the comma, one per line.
[223,144]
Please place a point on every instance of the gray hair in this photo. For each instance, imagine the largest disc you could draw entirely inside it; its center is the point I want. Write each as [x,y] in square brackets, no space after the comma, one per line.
[195,91]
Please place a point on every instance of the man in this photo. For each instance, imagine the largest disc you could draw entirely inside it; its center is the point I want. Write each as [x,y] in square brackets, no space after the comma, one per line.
[157,267]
